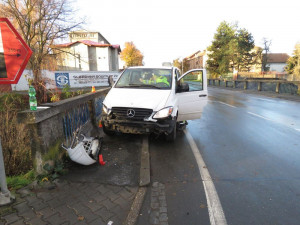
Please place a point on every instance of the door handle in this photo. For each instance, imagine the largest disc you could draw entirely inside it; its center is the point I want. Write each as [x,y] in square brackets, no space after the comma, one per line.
[202,95]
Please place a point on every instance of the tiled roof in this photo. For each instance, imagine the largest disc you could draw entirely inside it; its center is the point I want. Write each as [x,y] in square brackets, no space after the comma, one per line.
[193,55]
[277,57]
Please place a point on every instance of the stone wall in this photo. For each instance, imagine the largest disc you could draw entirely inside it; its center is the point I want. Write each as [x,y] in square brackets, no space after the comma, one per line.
[47,125]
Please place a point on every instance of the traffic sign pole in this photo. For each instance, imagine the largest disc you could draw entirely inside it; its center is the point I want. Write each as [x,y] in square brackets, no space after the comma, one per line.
[5,195]
[14,56]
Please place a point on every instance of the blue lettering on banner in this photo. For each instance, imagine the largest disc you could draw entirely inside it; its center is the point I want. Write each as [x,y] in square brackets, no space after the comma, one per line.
[62,79]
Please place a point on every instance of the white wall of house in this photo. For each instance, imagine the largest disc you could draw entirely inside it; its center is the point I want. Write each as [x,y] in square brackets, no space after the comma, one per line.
[93,62]
[78,58]
[90,58]
[83,57]
[279,67]
[115,59]
[110,58]
[102,59]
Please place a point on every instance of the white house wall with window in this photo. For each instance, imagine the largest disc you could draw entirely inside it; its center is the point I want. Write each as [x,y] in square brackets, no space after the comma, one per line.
[88,51]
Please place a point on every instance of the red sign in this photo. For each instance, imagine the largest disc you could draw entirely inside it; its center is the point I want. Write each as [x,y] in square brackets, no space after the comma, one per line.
[14,53]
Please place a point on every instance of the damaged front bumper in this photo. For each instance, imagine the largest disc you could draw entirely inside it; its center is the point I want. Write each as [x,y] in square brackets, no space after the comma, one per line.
[138,127]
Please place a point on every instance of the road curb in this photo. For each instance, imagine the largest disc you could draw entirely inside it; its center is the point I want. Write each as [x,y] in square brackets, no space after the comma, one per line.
[144,181]
[136,207]
[145,163]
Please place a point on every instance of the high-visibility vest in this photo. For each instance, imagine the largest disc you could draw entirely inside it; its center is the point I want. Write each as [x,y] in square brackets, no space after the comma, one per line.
[162,79]
[148,82]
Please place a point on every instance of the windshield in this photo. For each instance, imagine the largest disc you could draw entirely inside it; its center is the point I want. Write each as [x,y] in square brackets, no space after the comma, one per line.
[145,78]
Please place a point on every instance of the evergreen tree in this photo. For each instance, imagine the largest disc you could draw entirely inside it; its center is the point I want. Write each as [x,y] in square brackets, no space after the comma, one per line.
[232,48]
[220,50]
[244,57]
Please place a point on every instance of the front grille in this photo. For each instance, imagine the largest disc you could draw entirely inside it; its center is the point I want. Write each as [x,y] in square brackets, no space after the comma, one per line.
[139,114]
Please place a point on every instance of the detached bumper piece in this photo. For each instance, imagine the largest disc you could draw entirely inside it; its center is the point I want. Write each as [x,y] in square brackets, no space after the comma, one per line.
[86,151]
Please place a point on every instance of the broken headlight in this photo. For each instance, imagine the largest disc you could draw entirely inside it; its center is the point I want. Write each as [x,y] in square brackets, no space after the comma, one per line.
[163,113]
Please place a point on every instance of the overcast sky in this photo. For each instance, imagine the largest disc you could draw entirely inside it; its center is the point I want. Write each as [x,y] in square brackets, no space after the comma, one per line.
[164,30]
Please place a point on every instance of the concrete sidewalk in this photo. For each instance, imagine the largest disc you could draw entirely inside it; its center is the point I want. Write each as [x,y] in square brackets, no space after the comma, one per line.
[72,203]
[95,194]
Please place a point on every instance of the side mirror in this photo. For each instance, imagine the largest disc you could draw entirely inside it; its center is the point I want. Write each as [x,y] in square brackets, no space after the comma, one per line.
[184,87]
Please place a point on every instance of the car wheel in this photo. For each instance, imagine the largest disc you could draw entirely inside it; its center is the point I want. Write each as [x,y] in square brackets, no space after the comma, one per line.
[171,137]
[107,131]
[181,125]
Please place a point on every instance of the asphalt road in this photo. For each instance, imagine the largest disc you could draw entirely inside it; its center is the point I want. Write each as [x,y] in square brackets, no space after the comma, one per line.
[251,147]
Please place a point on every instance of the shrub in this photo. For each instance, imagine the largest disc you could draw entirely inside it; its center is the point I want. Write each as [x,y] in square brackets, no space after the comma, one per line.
[15,137]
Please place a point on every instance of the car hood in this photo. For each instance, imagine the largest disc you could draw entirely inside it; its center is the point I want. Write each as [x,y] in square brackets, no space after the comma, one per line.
[137,98]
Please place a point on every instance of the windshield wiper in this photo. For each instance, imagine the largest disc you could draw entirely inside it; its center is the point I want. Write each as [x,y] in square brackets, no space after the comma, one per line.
[144,85]
[123,86]
[138,86]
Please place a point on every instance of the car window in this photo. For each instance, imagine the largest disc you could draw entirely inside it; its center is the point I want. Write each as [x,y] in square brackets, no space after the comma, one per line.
[145,78]
[194,80]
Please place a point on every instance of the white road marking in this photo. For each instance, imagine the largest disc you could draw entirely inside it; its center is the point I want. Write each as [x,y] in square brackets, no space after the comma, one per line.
[232,106]
[254,114]
[215,210]
[265,118]
[257,115]
[264,99]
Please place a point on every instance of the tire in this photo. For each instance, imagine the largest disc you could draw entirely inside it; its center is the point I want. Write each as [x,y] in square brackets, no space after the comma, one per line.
[107,131]
[171,137]
[181,125]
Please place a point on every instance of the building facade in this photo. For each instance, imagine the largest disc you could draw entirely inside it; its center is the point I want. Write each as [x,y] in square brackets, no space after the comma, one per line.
[196,61]
[87,51]
[277,61]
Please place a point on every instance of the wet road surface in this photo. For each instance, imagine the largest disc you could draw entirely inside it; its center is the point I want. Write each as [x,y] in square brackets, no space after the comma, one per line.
[251,147]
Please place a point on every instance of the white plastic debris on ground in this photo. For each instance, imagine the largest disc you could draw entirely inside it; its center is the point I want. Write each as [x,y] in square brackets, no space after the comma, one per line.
[86,151]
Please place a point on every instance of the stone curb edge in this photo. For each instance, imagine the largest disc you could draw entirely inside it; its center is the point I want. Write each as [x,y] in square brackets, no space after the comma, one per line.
[145,163]
[136,207]
[144,181]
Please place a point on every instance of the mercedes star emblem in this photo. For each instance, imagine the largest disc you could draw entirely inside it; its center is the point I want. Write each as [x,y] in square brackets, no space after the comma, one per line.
[130,113]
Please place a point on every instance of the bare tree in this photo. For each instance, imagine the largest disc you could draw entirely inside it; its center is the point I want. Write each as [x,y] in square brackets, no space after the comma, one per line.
[41,23]
[267,43]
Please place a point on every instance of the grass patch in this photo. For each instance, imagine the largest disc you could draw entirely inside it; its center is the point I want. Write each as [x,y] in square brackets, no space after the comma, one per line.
[17,182]
[54,152]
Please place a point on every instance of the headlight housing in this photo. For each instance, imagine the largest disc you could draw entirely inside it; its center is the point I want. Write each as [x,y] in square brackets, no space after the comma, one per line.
[105,109]
[163,113]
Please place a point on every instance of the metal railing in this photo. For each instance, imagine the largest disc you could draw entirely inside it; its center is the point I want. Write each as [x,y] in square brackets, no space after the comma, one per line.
[277,86]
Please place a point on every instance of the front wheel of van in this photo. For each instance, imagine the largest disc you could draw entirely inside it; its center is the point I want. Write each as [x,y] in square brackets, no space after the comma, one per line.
[171,137]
